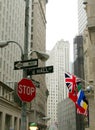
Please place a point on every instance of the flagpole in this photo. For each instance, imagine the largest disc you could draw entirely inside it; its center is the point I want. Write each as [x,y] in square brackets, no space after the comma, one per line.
[82,79]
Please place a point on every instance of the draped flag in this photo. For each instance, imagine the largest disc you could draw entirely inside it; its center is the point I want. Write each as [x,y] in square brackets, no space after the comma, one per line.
[81,110]
[75,93]
[81,101]
[71,81]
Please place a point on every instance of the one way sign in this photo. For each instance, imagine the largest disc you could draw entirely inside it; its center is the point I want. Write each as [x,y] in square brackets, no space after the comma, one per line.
[25,64]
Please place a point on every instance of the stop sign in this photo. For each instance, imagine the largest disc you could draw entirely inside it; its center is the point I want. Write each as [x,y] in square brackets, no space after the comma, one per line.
[26,90]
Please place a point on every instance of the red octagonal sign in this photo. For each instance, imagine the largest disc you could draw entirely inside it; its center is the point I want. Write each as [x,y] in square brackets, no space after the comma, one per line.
[26,90]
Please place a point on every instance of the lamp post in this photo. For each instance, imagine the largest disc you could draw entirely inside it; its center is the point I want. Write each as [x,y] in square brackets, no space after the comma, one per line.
[42,56]
[34,126]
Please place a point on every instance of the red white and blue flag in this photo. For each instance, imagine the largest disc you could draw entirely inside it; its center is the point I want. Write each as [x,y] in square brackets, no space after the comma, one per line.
[71,81]
[76,94]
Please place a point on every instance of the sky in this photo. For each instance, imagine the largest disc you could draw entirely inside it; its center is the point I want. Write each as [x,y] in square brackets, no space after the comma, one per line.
[62,22]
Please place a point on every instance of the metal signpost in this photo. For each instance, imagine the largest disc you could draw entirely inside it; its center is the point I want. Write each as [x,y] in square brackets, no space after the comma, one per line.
[40,70]
[26,92]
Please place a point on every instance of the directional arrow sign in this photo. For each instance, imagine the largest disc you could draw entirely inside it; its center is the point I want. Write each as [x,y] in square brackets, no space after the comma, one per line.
[25,64]
[40,70]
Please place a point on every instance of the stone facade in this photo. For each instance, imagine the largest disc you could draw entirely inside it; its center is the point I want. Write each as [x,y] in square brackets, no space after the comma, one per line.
[10,111]
[89,59]
[12,25]
[38,40]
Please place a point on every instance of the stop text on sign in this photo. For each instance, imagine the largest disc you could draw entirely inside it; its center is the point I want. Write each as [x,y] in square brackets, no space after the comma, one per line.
[23,89]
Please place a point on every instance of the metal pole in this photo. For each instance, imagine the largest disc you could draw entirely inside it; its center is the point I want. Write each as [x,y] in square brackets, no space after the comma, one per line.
[25,57]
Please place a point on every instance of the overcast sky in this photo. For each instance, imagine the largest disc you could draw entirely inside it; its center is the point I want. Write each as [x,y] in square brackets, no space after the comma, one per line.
[62,21]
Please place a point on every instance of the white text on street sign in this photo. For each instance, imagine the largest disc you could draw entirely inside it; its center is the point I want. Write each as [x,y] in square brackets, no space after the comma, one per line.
[40,70]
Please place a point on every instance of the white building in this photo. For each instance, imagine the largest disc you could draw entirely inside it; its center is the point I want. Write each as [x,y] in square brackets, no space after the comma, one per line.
[59,58]
[82,18]
[12,28]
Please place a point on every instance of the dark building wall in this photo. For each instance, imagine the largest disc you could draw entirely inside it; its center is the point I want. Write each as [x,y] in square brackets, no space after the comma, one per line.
[78,57]
[79,72]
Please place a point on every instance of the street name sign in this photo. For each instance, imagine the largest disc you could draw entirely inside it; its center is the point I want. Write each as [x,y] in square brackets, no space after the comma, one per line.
[26,90]
[25,64]
[40,70]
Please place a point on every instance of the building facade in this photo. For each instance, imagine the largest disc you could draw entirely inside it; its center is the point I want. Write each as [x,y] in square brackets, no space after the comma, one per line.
[38,40]
[12,25]
[10,111]
[12,28]
[89,58]
[79,72]
[67,115]
[88,47]
[82,18]
[59,58]
[78,57]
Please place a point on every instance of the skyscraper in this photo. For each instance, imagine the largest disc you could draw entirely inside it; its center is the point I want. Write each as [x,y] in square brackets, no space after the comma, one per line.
[38,38]
[59,58]
[12,13]
[12,26]
[82,18]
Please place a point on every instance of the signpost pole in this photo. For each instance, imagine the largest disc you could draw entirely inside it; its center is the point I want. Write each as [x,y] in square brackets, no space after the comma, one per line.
[25,57]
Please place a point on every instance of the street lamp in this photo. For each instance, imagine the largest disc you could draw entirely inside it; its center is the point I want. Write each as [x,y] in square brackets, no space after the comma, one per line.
[89,89]
[6,43]
[33,126]
[41,56]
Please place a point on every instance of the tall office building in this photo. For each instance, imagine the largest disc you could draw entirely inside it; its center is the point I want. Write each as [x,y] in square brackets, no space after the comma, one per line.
[12,13]
[82,18]
[78,57]
[38,40]
[12,26]
[59,58]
